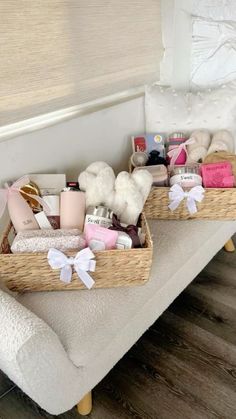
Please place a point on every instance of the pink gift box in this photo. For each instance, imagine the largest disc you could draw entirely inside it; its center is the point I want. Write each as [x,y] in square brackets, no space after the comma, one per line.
[217,175]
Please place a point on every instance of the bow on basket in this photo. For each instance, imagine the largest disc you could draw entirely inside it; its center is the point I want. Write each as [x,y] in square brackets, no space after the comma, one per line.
[177,194]
[82,263]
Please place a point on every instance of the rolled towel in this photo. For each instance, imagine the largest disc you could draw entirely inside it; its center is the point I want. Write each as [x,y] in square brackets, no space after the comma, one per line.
[222,141]
[197,151]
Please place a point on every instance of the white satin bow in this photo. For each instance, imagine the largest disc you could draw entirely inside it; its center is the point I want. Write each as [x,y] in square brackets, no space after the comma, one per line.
[177,194]
[81,263]
[175,152]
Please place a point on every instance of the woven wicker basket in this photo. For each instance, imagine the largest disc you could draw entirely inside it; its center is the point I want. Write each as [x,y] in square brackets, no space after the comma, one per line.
[114,268]
[218,204]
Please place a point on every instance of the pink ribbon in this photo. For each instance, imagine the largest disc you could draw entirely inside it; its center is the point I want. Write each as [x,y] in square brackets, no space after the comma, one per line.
[175,152]
[15,187]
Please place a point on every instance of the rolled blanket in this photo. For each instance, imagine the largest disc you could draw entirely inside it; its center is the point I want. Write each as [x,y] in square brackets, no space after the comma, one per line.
[32,241]
[197,151]
[222,141]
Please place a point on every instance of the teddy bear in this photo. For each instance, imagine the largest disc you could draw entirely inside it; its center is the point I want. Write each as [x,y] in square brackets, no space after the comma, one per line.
[125,194]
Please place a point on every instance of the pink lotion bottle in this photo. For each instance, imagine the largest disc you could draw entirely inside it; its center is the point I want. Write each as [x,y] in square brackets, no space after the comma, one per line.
[20,213]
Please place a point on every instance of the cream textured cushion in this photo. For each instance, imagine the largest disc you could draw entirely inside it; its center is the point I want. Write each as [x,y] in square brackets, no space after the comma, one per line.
[91,330]
[88,323]
[168,110]
[33,357]
[6,290]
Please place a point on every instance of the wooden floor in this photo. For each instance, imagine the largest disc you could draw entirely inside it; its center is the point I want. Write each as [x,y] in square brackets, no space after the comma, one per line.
[184,367]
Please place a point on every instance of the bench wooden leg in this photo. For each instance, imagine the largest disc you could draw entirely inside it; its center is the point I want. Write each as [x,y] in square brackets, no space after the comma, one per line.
[229,246]
[84,407]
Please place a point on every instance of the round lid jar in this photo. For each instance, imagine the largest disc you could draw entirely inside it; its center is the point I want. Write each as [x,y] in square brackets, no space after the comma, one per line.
[179,170]
[99,211]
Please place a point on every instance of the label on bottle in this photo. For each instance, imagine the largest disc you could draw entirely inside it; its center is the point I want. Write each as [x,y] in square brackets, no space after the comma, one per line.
[27,222]
[101,221]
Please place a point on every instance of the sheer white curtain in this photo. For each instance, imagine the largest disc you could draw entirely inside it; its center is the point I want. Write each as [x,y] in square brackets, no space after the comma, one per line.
[61,53]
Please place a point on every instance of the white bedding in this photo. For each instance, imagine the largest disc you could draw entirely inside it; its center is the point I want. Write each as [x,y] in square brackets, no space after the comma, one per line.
[215,9]
[200,43]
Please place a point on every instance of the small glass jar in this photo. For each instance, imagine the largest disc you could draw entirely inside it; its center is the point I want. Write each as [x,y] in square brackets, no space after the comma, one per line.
[185,176]
[99,215]
[179,170]
[174,140]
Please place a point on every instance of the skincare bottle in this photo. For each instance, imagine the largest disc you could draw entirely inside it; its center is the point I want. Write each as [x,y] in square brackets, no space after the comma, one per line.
[123,241]
[20,213]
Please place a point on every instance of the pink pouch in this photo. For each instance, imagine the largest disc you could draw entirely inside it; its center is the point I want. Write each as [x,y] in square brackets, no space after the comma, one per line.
[100,238]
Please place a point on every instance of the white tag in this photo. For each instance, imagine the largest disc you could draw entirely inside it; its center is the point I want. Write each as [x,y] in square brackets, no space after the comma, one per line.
[42,221]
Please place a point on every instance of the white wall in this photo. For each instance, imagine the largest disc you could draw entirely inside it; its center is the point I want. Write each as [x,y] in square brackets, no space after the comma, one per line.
[70,146]
[177,38]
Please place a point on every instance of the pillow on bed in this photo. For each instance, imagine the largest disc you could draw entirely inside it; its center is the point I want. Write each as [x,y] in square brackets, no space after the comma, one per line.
[169,110]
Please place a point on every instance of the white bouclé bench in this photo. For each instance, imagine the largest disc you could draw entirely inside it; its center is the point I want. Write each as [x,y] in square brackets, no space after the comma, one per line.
[56,346]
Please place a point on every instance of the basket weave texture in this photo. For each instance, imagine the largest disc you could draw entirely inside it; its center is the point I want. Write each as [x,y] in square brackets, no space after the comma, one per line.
[114,268]
[218,204]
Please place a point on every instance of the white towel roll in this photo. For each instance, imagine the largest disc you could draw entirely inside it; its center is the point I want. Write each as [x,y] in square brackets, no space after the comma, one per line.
[198,150]
[222,141]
